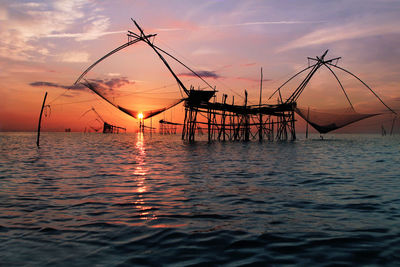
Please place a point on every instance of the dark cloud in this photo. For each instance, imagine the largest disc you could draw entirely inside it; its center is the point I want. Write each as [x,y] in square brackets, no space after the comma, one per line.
[117,82]
[108,84]
[107,87]
[203,74]
[50,84]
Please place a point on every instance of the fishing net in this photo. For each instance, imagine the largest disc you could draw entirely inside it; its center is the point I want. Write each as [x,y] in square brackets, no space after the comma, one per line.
[325,122]
[104,90]
[144,94]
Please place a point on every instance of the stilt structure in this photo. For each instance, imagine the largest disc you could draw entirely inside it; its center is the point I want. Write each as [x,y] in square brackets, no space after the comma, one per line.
[237,122]
[107,127]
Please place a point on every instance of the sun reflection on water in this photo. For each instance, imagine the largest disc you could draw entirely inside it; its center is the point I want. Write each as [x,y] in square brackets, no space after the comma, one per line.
[140,175]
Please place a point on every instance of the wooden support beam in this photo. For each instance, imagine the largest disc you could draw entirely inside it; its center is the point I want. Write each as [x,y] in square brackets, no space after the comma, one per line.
[40,119]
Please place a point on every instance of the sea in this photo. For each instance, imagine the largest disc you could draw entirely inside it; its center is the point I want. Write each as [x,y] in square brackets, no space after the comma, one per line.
[154,200]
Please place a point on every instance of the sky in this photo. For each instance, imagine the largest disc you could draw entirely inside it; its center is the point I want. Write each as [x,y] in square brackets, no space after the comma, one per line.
[46,45]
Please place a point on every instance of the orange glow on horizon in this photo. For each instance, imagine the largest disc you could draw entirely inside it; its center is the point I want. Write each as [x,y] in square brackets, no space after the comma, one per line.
[140,116]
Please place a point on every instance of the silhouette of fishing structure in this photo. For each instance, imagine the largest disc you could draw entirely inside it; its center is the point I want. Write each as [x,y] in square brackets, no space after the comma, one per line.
[107,127]
[239,122]
[325,122]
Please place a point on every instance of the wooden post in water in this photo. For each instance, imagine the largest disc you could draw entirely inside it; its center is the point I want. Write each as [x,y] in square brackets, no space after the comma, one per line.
[40,119]
[246,119]
[260,131]
[308,114]
[272,130]
[391,129]
[209,125]
[184,128]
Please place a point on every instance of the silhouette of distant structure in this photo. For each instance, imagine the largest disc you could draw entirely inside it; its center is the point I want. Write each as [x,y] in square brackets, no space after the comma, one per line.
[107,127]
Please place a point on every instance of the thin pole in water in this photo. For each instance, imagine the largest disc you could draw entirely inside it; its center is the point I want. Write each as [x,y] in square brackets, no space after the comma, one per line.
[391,129]
[260,133]
[40,119]
[308,115]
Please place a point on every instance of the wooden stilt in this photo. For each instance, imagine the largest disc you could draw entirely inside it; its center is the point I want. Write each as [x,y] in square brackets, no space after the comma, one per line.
[391,129]
[260,131]
[40,119]
[184,124]
[246,120]
[308,115]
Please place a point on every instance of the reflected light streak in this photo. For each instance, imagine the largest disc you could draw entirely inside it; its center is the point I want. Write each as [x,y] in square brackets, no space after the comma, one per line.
[140,178]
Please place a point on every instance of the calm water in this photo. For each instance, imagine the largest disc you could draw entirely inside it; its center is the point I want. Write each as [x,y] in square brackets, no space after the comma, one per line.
[128,199]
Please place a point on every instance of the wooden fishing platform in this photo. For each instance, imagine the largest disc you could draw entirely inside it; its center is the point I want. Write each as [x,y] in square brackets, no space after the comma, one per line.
[230,122]
[109,128]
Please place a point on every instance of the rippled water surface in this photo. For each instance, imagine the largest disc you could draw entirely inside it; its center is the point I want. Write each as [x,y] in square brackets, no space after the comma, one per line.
[129,199]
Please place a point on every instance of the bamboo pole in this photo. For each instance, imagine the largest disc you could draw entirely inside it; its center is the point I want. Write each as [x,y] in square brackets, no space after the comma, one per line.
[308,114]
[184,125]
[246,126]
[40,119]
[209,125]
[260,132]
[391,129]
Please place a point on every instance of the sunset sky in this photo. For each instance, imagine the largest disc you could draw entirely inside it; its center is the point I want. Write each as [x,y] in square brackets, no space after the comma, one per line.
[45,45]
